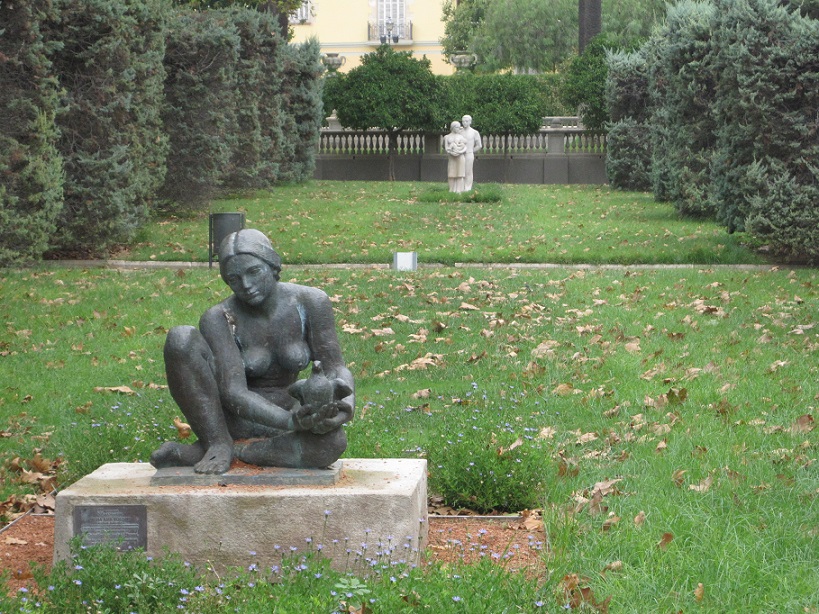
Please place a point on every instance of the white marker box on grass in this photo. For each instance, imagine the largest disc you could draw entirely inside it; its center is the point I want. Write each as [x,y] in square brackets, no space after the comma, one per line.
[405,261]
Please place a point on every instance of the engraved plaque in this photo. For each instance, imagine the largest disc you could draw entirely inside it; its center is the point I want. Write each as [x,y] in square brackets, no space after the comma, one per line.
[126,526]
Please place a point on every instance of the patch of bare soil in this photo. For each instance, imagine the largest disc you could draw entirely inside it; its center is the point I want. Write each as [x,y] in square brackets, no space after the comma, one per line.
[30,539]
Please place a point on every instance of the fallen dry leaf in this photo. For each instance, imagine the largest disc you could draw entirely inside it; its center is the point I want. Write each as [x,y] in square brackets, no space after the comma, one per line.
[677,477]
[776,365]
[532,520]
[577,594]
[182,428]
[803,424]
[117,389]
[703,486]
[545,348]
[13,541]
[607,487]
[640,518]
[516,444]
[633,347]
[563,390]
[699,592]
[666,539]
[586,438]
[611,521]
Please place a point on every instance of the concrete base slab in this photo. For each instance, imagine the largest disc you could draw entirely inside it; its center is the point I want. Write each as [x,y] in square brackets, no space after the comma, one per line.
[376,511]
[250,476]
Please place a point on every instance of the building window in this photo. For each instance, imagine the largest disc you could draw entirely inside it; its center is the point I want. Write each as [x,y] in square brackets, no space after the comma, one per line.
[303,14]
[393,12]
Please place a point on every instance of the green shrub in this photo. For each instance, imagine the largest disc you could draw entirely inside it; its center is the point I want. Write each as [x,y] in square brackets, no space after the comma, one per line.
[628,145]
[303,110]
[499,104]
[628,155]
[110,66]
[584,86]
[682,90]
[31,176]
[391,90]
[472,471]
[101,579]
[627,85]
[257,146]
[200,99]
[784,209]
[765,173]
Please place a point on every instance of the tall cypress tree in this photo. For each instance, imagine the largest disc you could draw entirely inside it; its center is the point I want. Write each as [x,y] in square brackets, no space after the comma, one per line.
[31,176]
[110,67]
[766,167]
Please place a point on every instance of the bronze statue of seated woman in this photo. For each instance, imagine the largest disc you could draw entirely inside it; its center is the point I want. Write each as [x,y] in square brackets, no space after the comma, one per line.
[235,378]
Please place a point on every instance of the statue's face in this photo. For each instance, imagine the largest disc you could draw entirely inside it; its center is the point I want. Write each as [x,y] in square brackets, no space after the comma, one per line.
[466,121]
[252,280]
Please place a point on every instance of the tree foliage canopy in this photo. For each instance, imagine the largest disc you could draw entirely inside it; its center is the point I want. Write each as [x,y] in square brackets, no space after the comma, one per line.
[279,6]
[390,90]
[533,35]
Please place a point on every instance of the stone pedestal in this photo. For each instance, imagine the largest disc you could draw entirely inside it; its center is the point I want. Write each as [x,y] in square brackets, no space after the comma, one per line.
[377,509]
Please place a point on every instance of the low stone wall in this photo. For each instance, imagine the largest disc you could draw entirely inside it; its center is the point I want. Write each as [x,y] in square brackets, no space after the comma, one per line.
[574,168]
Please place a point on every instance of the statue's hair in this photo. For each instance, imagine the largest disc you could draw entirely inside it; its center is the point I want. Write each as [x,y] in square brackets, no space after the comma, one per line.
[253,243]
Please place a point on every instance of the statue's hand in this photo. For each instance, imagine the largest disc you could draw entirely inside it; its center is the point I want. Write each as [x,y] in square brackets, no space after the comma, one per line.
[333,419]
[316,420]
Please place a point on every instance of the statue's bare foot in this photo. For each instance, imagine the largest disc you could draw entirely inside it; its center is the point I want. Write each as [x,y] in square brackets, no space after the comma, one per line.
[216,459]
[175,454]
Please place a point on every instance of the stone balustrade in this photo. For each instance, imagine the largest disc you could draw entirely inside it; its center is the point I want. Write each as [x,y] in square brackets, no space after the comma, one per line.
[558,135]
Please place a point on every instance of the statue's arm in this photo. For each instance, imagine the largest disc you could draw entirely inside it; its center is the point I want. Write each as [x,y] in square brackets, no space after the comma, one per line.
[324,346]
[230,375]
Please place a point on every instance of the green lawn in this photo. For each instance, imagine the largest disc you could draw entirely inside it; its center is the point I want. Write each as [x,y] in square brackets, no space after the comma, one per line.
[365,222]
[661,419]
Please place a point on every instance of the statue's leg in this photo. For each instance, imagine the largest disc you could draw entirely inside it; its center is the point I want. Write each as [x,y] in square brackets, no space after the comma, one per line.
[188,365]
[468,175]
[294,449]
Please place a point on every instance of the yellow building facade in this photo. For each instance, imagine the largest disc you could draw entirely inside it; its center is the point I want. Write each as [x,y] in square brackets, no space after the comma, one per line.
[353,28]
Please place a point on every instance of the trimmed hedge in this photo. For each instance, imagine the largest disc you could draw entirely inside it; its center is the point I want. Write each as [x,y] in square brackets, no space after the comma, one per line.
[200,102]
[628,144]
[111,107]
[628,155]
[302,111]
[112,142]
[766,167]
[258,148]
[682,92]
[735,136]
[31,176]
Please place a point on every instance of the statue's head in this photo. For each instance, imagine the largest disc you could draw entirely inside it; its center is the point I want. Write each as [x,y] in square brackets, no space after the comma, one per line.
[455,126]
[466,120]
[251,242]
